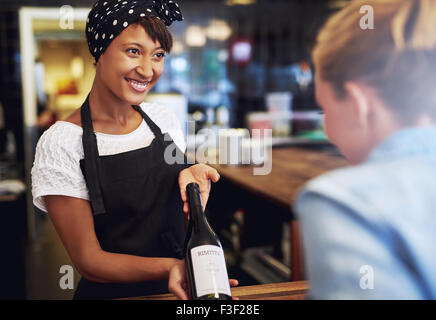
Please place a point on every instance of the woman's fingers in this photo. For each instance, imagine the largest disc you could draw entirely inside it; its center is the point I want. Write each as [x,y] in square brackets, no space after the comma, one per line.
[201,174]
[183,194]
[205,190]
[233,282]
[180,292]
[212,174]
[177,280]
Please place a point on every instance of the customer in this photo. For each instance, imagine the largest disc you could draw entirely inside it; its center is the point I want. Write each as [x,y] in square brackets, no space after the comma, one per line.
[369,230]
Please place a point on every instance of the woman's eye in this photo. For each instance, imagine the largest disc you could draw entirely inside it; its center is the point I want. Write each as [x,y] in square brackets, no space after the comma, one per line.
[133,50]
[160,55]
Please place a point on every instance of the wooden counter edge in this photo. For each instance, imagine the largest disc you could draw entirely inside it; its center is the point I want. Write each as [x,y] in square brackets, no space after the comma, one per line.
[294,290]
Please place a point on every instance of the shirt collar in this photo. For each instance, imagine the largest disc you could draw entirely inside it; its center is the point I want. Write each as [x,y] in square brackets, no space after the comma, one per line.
[406,142]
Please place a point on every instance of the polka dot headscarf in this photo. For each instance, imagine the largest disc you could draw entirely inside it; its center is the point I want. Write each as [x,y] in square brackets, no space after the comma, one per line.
[108,18]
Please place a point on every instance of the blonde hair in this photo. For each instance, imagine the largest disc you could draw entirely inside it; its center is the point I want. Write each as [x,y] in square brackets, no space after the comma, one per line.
[397,57]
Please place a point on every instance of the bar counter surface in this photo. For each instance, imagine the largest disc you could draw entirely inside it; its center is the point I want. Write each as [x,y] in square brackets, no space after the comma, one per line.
[295,290]
[291,168]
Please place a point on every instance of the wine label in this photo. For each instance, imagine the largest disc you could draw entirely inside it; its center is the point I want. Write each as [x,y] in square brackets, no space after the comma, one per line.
[210,273]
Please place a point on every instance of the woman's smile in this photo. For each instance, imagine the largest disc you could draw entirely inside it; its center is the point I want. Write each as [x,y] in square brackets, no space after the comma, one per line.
[131,65]
[139,86]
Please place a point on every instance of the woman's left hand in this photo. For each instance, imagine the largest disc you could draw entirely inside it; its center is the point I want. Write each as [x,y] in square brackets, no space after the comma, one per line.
[178,282]
[201,174]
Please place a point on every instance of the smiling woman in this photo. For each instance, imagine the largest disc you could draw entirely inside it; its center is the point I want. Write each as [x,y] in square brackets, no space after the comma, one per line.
[101,174]
[131,65]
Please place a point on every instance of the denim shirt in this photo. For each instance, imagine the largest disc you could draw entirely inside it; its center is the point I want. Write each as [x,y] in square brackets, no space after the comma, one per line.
[369,231]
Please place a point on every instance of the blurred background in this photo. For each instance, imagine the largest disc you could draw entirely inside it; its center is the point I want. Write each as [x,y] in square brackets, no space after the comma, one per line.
[235,64]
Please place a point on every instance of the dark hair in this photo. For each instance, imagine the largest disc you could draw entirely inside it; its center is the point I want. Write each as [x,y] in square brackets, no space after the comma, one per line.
[156,29]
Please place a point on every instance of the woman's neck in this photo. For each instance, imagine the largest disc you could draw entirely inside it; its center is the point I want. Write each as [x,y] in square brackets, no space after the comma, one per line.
[106,107]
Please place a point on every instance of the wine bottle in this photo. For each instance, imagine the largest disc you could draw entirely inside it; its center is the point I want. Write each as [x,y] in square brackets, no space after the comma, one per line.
[205,263]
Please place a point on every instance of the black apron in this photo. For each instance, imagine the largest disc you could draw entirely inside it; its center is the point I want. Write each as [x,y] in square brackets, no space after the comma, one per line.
[136,205]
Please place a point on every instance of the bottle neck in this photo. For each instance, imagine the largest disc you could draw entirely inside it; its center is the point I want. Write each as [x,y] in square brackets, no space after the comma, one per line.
[197,216]
[199,221]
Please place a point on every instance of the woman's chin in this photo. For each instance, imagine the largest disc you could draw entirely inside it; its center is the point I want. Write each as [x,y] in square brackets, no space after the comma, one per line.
[137,102]
[136,99]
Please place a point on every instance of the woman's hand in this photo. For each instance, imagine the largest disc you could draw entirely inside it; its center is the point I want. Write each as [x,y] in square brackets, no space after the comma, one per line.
[201,174]
[178,284]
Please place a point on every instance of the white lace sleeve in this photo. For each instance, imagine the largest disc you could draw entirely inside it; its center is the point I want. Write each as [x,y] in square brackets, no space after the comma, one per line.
[56,169]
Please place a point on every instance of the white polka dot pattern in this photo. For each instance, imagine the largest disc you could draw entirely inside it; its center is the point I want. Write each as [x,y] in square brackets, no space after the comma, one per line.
[105,17]
[56,168]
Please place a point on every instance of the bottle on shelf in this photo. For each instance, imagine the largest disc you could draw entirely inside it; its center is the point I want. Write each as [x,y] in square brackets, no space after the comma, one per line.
[11,147]
[222,116]
[205,263]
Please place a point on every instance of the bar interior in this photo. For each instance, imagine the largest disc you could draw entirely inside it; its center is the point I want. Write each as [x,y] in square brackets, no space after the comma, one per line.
[240,79]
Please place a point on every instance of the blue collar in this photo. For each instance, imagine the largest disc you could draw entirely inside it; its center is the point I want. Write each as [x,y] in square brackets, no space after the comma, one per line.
[410,141]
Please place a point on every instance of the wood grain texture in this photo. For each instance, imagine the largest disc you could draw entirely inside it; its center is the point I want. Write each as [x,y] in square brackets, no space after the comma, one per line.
[295,290]
[291,169]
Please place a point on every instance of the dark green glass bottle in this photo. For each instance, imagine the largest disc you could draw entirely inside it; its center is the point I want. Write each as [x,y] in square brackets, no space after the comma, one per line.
[205,263]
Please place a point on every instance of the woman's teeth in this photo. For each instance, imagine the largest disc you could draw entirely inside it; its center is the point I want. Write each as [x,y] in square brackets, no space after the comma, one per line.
[140,86]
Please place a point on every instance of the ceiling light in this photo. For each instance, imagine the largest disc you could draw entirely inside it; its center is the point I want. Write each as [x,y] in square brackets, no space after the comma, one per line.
[218,30]
[195,36]
[239,2]
[77,67]
[177,48]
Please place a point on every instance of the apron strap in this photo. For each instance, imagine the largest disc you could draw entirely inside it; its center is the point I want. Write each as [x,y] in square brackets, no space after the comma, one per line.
[158,133]
[92,160]
[92,164]
[160,136]
[153,126]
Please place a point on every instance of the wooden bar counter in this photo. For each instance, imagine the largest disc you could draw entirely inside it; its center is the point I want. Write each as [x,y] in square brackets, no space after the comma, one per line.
[291,168]
[296,290]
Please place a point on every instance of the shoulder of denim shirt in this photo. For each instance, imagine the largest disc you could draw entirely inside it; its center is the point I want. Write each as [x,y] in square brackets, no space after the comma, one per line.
[388,189]
[350,187]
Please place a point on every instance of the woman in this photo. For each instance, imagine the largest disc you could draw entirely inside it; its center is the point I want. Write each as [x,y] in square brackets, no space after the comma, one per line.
[369,230]
[101,174]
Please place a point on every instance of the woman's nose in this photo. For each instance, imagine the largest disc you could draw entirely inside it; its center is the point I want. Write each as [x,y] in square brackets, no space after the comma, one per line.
[145,69]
